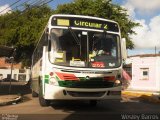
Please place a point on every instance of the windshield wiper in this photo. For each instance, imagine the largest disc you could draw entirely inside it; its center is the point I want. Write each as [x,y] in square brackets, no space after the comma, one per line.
[74,36]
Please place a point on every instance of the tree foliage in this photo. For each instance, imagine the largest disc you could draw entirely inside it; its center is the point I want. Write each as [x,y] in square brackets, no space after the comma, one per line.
[23,29]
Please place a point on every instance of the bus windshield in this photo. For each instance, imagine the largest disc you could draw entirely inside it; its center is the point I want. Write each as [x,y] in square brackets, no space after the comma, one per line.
[89,49]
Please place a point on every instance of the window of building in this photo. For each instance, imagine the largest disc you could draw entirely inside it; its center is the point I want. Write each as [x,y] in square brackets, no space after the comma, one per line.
[144,73]
[21,77]
[22,70]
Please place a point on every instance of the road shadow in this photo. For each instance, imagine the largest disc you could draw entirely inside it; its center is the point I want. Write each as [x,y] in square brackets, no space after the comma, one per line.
[105,109]
[149,99]
[75,105]
[16,88]
[82,110]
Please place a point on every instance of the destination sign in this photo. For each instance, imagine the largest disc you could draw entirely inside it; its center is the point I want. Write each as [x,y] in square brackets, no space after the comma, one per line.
[85,23]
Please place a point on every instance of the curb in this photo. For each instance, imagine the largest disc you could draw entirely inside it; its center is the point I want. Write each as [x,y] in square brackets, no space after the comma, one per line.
[136,93]
[16,100]
[147,96]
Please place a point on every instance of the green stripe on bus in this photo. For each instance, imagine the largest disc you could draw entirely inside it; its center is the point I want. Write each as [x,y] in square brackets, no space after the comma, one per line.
[57,78]
[46,81]
[46,76]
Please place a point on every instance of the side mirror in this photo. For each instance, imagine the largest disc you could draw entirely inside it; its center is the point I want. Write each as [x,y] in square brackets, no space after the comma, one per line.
[124,50]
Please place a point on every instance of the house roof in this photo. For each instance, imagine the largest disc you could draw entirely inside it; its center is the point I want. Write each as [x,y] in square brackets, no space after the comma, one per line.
[5,65]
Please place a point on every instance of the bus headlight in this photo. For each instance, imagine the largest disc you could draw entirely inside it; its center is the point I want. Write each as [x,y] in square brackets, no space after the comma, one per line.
[117,83]
[52,81]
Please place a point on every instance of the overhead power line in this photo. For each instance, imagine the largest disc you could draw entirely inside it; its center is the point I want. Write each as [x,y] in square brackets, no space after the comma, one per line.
[10,6]
[22,4]
[39,2]
[31,3]
[32,6]
[48,2]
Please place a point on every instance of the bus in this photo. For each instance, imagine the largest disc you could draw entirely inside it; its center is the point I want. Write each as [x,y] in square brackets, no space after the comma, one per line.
[78,58]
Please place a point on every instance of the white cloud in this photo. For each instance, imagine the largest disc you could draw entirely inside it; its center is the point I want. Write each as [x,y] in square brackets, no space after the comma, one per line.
[130,10]
[144,7]
[148,36]
[3,9]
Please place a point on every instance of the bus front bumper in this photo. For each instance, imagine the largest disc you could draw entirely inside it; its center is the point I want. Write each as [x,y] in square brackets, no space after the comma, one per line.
[62,93]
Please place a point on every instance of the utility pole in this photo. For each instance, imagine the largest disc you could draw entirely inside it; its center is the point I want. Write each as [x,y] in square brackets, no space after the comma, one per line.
[12,61]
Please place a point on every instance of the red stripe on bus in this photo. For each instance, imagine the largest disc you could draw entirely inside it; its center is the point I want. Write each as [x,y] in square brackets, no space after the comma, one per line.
[66,76]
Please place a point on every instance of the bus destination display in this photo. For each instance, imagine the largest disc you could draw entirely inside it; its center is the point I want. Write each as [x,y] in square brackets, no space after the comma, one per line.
[85,23]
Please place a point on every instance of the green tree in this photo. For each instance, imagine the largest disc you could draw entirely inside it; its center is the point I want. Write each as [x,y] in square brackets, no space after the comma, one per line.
[23,29]
[104,9]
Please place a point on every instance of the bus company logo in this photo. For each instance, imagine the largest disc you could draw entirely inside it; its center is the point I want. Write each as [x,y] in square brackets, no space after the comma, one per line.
[87,78]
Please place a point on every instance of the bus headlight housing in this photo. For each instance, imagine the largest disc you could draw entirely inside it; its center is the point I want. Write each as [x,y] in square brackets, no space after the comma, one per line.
[53,81]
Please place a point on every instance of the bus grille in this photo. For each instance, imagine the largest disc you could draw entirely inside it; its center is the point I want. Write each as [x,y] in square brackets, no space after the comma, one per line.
[85,94]
[86,84]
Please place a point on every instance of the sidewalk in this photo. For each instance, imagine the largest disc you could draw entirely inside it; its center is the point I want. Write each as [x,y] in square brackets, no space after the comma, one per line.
[145,96]
[18,89]
[9,99]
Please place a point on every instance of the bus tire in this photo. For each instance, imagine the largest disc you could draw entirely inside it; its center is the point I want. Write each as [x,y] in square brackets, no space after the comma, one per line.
[93,103]
[43,102]
[34,94]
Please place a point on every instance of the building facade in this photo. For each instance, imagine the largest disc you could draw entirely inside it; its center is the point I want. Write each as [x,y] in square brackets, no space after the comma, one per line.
[145,73]
[18,73]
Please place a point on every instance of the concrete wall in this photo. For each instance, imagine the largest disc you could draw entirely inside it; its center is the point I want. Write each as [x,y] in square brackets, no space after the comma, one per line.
[140,79]
[15,74]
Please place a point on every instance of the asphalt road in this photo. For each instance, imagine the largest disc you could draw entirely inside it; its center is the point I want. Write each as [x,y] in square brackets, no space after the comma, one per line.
[29,108]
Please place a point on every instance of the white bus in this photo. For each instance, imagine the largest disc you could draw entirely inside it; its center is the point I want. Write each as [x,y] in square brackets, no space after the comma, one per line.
[78,58]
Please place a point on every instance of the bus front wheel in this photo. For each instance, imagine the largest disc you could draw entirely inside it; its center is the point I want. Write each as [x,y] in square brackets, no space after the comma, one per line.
[43,102]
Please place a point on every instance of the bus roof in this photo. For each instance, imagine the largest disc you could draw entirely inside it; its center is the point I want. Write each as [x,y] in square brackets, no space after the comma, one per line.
[81,21]
[80,16]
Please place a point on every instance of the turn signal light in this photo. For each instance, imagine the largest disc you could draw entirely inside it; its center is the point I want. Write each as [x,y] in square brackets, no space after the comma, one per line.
[51,73]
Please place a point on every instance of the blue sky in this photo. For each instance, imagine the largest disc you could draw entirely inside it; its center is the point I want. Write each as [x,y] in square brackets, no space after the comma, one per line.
[146,12]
